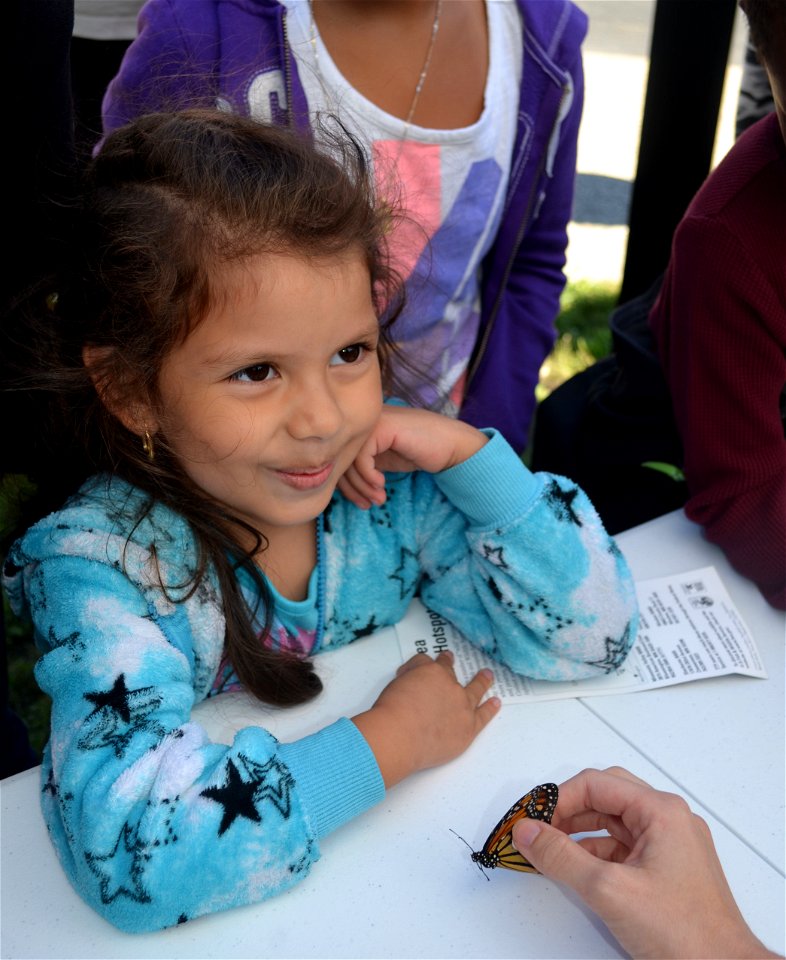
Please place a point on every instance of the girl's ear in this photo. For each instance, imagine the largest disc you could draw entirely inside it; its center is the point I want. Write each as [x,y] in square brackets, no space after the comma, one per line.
[136,415]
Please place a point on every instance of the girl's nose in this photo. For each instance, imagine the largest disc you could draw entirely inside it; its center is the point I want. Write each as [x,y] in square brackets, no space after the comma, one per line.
[314,413]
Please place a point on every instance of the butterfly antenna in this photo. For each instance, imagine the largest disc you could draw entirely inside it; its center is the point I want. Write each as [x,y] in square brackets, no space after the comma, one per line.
[469,848]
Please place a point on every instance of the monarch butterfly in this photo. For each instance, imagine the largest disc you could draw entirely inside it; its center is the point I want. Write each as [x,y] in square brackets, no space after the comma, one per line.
[498,850]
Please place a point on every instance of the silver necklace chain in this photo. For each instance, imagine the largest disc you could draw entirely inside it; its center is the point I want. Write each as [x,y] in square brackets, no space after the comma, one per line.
[423,72]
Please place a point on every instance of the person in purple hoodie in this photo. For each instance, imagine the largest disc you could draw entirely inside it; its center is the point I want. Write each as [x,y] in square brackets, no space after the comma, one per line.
[470,114]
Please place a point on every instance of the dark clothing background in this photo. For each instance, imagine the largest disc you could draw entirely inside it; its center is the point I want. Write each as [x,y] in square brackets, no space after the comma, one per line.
[93,64]
[39,170]
[601,426]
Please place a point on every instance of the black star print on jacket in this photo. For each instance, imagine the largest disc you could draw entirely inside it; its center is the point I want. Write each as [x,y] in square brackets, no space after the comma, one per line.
[236,797]
[125,863]
[115,699]
[407,572]
[616,651]
[561,502]
[269,781]
[118,715]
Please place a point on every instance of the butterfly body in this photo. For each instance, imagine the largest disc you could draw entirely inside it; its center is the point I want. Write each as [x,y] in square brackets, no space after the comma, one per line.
[498,850]
[493,860]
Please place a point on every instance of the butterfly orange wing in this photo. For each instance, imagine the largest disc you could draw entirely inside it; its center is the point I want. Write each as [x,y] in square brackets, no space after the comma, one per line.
[498,850]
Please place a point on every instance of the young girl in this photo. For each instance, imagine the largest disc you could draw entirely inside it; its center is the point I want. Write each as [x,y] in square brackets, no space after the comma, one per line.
[220,336]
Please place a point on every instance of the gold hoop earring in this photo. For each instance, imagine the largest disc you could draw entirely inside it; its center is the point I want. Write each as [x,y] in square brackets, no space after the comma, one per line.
[147,446]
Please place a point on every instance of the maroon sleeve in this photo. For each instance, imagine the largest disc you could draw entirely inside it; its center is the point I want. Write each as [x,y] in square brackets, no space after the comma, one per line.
[721,330]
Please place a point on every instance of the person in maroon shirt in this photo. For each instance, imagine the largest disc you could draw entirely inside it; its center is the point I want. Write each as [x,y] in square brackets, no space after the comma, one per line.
[720,327]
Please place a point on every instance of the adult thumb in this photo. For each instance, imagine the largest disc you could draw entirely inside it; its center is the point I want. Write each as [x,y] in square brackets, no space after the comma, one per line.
[552,852]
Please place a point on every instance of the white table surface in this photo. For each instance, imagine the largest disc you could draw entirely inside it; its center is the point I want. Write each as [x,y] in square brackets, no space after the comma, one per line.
[721,740]
[396,882]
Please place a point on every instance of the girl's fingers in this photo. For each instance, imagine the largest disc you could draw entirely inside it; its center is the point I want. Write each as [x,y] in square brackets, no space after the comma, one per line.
[487,710]
[365,464]
[352,494]
[419,660]
[476,689]
[480,684]
[368,485]
[359,491]
[445,658]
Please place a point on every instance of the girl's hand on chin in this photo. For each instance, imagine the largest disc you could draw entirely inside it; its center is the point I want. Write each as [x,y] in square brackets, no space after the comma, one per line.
[406,439]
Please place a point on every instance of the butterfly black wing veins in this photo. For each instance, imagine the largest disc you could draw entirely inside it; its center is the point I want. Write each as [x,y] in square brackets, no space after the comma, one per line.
[498,850]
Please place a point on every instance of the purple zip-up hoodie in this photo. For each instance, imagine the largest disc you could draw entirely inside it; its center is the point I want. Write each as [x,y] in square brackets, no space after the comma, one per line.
[235,52]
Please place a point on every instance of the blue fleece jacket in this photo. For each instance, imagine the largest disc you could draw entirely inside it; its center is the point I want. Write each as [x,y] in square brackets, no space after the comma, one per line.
[153,823]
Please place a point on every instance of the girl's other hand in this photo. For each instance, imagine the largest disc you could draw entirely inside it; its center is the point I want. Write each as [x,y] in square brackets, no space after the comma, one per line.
[425,717]
[406,439]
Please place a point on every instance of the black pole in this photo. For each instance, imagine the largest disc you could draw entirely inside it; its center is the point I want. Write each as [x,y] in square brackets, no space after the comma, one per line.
[688,57]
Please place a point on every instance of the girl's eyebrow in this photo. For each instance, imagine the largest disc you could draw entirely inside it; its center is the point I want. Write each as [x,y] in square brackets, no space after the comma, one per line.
[245,357]
[369,332]
[240,357]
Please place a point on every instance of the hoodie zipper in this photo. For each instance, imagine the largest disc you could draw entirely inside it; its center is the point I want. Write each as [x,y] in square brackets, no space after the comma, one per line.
[287,67]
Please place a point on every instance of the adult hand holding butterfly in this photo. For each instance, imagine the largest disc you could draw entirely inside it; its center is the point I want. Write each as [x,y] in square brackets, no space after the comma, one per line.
[655,880]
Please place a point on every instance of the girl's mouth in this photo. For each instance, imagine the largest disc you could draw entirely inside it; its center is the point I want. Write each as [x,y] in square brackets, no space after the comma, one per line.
[306,479]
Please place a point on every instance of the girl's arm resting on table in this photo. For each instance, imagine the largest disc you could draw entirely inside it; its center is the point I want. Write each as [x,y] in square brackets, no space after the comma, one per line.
[526,570]
[136,798]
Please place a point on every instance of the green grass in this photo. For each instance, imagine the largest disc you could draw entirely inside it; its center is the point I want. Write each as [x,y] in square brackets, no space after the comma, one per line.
[583,334]
[583,338]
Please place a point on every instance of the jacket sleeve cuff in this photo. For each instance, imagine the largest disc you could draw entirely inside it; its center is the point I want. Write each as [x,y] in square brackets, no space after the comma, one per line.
[493,486]
[336,774]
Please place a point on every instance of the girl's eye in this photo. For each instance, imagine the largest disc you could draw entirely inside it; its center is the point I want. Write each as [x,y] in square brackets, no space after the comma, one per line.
[256,374]
[350,354]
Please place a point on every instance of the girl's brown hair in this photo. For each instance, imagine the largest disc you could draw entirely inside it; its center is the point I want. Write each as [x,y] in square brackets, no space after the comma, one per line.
[168,201]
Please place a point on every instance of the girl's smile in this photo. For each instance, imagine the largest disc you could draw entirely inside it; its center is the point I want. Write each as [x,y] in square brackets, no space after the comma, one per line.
[306,479]
[271,396]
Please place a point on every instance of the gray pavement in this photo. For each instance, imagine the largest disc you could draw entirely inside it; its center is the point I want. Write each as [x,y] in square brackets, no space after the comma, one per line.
[616,61]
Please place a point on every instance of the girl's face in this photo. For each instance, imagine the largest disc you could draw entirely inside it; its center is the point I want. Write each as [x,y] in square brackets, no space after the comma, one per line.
[272,395]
